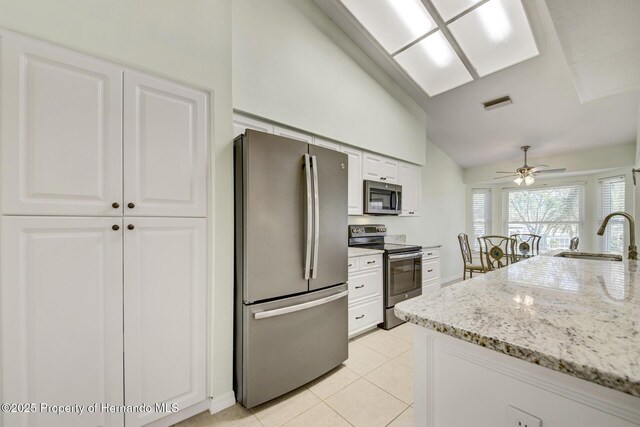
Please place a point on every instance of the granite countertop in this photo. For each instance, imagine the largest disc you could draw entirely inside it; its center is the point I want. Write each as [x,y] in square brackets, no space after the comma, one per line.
[579,317]
[354,252]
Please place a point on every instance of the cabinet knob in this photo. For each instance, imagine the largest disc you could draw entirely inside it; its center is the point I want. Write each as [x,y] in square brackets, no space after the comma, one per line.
[115,227]
[115,205]
[130,205]
[131,226]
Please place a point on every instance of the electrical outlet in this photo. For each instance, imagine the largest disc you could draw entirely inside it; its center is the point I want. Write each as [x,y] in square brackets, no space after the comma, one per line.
[518,418]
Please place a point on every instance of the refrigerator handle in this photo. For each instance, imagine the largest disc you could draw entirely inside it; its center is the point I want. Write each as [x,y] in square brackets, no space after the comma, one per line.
[316,217]
[307,261]
[303,306]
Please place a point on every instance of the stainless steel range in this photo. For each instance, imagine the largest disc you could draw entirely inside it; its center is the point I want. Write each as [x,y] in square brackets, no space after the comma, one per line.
[402,267]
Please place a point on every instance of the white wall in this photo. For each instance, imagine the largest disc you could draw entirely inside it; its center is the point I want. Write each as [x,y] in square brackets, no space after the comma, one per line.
[188,41]
[293,65]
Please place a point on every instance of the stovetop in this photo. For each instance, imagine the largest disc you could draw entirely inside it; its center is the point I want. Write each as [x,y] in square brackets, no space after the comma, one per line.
[372,237]
[389,247]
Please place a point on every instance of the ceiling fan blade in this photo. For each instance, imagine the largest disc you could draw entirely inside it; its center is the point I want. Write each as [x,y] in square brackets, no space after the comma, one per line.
[506,176]
[552,170]
[504,172]
[537,168]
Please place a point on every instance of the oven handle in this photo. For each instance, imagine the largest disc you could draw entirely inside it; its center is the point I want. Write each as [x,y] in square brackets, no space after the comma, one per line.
[406,256]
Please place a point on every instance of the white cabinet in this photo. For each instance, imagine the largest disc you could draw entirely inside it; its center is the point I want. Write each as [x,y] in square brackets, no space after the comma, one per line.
[293,134]
[380,168]
[61,305]
[326,144]
[355,180]
[165,148]
[61,133]
[165,313]
[430,270]
[242,123]
[365,293]
[411,181]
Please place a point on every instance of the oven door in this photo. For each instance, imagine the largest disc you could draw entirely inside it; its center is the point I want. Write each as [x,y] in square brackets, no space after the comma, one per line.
[382,199]
[403,277]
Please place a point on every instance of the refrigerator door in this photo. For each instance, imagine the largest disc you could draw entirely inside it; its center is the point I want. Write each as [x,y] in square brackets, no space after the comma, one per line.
[271,209]
[289,342]
[329,259]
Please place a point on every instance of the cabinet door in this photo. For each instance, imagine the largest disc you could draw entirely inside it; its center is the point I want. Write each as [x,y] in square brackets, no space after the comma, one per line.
[390,170]
[165,313]
[61,305]
[327,144]
[293,134]
[61,133]
[372,168]
[165,148]
[242,123]
[355,180]
[411,181]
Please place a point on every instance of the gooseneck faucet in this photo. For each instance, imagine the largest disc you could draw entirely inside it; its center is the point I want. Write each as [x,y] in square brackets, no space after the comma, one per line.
[633,250]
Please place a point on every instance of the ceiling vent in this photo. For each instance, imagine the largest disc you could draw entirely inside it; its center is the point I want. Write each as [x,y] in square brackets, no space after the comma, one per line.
[497,103]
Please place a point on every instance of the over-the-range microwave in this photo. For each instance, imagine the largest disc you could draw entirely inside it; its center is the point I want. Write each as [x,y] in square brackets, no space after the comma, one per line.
[381,198]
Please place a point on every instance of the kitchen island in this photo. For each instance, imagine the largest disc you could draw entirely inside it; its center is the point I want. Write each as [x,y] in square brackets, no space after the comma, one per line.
[550,339]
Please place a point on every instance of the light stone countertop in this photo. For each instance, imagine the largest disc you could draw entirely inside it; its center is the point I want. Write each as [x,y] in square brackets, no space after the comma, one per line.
[354,252]
[579,317]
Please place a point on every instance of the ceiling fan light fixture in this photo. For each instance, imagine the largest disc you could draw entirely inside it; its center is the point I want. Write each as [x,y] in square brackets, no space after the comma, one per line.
[518,180]
[529,179]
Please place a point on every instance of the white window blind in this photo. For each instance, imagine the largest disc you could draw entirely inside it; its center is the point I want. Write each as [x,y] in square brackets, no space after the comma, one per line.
[554,213]
[612,194]
[481,214]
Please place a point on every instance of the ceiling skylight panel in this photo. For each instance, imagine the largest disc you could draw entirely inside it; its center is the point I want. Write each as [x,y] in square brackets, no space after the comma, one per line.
[449,9]
[434,65]
[393,23]
[494,36]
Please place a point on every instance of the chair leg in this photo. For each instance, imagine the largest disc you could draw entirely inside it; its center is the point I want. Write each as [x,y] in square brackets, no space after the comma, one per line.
[471,274]
[464,274]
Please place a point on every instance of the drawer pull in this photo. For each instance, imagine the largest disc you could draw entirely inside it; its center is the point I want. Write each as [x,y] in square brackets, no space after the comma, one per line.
[361,286]
[429,253]
[430,270]
[359,317]
[371,262]
[350,265]
[411,213]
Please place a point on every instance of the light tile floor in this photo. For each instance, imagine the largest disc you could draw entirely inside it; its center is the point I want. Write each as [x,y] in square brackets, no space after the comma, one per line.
[374,387]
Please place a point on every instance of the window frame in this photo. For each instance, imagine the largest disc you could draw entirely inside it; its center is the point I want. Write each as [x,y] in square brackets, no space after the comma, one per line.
[488,214]
[605,241]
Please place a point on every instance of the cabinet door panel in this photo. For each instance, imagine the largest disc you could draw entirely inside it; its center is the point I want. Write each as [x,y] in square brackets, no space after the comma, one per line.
[293,134]
[390,171]
[372,168]
[242,123]
[165,313]
[61,134]
[165,148]
[61,305]
[355,180]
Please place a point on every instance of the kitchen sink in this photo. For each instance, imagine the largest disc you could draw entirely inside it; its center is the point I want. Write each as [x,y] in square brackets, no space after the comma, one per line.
[590,255]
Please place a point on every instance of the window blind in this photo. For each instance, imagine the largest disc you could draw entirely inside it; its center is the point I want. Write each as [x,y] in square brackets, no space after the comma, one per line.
[554,213]
[481,214]
[612,199]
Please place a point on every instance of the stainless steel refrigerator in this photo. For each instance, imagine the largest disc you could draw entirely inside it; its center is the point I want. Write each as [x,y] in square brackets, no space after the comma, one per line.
[290,264]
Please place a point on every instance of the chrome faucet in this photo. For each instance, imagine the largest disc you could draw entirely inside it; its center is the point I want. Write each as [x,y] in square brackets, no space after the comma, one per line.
[633,250]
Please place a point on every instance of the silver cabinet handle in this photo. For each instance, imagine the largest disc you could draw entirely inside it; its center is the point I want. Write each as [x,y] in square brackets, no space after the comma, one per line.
[307,261]
[298,307]
[361,286]
[359,317]
[412,255]
[316,217]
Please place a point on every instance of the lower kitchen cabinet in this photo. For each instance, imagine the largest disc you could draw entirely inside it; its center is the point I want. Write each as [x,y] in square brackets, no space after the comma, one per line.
[365,293]
[430,270]
[64,282]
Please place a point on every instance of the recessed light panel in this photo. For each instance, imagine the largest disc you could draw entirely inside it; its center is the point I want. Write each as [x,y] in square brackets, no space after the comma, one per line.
[494,36]
[451,8]
[393,23]
[434,65]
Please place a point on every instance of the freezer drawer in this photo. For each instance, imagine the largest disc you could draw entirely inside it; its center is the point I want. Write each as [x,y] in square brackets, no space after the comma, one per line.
[289,342]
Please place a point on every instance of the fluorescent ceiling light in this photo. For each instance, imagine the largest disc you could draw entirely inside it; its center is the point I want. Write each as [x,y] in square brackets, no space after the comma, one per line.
[433,65]
[495,21]
[449,9]
[393,23]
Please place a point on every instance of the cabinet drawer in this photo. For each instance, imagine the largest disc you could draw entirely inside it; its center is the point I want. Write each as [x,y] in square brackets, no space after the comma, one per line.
[430,253]
[365,284]
[365,315]
[370,261]
[430,270]
[353,264]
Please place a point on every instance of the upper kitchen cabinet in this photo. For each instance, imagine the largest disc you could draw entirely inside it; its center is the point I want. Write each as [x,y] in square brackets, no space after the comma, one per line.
[379,168]
[355,180]
[61,133]
[411,181]
[165,148]
[293,134]
[327,144]
[242,123]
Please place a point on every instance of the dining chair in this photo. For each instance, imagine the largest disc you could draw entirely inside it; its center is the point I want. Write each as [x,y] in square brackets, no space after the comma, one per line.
[573,245]
[497,251]
[467,257]
[527,245]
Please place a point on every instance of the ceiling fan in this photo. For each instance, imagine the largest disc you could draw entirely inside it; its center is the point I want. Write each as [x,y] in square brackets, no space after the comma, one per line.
[527,173]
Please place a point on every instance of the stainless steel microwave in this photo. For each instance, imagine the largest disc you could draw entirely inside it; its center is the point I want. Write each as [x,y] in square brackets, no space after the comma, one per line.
[382,199]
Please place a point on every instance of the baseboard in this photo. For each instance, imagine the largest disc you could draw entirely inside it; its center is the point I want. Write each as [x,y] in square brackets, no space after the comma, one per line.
[181,415]
[221,402]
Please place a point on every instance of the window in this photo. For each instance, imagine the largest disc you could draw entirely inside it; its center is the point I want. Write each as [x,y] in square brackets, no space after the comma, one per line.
[612,194]
[554,213]
[481,214]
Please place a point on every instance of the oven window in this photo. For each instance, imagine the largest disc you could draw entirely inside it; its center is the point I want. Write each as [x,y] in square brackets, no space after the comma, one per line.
[404,275]
[380,199]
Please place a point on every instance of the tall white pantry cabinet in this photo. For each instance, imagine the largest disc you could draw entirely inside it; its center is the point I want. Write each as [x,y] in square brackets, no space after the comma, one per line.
[103,244]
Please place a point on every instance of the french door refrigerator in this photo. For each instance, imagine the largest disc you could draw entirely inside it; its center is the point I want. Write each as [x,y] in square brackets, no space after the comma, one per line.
[290,264]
